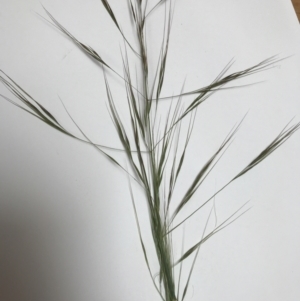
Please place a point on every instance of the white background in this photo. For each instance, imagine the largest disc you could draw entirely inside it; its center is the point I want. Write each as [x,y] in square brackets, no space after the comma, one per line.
[67,229]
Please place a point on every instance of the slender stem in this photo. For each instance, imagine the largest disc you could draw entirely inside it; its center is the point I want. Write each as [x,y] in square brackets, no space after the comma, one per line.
[161,241]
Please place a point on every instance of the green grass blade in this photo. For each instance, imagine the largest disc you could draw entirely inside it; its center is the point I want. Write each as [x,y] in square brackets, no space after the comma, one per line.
[277,142]
[113,17]
[205,170]
[155,7]
[141,239]
[222,80]
[110,158]
[87,49]
[222,226]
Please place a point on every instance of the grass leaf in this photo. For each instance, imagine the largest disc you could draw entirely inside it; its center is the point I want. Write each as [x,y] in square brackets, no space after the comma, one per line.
[283,136]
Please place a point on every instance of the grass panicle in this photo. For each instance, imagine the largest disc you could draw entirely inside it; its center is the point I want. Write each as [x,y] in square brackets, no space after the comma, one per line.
[157,140]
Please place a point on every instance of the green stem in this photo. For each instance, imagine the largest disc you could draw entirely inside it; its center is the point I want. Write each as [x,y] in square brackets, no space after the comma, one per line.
[162,242]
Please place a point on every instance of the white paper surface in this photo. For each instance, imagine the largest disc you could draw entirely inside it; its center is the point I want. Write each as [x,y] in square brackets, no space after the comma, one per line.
[66,220]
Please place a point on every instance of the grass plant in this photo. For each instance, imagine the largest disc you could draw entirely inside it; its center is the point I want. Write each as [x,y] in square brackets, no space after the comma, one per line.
[156,143]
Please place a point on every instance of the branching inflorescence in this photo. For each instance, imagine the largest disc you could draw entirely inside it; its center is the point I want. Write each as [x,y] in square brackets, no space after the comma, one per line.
[155,147]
